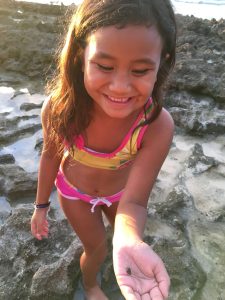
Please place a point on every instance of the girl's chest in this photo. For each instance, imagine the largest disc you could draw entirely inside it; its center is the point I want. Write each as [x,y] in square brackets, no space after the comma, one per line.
[107,138]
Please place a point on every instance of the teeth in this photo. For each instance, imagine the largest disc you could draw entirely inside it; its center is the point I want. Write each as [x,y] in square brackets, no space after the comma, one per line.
[121,100]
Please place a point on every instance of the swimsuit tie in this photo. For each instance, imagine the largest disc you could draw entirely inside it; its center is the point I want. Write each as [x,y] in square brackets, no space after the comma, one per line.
[97,200]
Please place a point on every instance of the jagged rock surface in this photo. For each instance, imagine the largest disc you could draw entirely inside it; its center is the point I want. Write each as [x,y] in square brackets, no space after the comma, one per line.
[187,205]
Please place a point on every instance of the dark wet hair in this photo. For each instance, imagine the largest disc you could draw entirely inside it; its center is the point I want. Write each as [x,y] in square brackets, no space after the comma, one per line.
[71,105]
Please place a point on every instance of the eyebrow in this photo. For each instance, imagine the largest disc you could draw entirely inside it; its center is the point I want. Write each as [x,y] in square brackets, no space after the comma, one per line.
[144,60]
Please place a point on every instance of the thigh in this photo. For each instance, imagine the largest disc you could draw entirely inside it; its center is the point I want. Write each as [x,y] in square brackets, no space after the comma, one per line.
[110,212]
[88,226]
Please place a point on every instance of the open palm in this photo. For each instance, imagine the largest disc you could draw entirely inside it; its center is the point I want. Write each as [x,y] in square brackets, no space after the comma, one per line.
[140,272]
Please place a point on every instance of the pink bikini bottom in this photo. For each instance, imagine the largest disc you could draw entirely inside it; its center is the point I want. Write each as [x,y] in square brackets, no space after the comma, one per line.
[69,191]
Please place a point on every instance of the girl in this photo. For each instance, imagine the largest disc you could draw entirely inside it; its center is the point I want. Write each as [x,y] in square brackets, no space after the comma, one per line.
[106,136]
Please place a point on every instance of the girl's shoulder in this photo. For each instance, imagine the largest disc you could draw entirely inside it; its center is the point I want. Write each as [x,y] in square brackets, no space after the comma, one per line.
[45,110]
[162,128]
[46,105]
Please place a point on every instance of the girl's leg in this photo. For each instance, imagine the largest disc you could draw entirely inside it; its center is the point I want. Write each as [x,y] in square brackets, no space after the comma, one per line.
[110,212]
[90,229]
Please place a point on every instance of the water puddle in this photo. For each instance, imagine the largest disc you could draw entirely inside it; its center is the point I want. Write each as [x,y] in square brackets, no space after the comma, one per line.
[11,103]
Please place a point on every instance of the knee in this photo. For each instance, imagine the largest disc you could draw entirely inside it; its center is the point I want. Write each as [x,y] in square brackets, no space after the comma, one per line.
[98,251]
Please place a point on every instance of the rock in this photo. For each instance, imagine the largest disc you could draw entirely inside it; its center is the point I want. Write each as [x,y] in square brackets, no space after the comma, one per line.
[5,210]
[200,57]
[207,242]
[11,136]
[30,106]
[6,159]
[36,30]
[15,182]
[177,198]
[187,275]
[185,224]
[58,280]
[15,122]
[199,162]
[196,114]
[39,145]
[208,191]
[23,259]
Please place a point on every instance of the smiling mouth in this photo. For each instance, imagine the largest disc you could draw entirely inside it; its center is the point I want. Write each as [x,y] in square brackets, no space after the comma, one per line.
[118,100]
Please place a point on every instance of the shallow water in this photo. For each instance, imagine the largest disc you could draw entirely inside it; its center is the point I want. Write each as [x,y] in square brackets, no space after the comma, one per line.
[23,150]
[201,9]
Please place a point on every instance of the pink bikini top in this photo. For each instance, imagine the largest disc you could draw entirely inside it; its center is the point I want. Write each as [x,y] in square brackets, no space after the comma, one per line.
[121,156]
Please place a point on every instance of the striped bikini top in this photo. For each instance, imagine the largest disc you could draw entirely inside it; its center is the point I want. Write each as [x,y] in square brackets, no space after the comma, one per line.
[120,157]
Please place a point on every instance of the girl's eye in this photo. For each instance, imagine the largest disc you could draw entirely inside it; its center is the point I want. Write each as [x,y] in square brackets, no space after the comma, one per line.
[104,68]
[140,72]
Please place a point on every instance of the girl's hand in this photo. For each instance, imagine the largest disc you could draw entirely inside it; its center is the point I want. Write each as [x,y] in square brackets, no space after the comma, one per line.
[140,272]
[39,223]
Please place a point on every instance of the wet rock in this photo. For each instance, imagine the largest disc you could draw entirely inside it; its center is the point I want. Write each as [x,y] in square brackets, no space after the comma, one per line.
[175,206]
[5,210]
[200,57]
[30,106]
[11,136]
[177,198]
[39,145]
[200,48]
[200,162]
[6,159]
[196,114]
[15,181]
[58,280]
[207,241]
[187,275]
[36,30]
[186,208]
[23,259]
[19,115]
[208,191]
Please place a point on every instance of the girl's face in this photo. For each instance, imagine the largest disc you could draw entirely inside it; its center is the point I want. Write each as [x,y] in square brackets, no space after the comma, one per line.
[120,68]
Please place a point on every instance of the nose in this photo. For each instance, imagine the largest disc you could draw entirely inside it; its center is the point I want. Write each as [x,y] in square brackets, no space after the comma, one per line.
[120,83]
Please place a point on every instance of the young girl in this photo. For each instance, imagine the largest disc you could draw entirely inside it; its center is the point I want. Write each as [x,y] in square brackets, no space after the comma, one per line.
[106,136]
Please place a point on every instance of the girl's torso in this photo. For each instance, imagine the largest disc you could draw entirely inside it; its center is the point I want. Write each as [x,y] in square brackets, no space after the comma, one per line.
[102,137]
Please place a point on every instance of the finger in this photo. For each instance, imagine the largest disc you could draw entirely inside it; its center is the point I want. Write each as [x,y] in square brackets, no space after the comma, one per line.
[163,280]
[164,286]
[43,232]
[33,228]
[45,229]
[128,293]
[34,231]
[137,295]
[146,297]
[38,236]
[156,294]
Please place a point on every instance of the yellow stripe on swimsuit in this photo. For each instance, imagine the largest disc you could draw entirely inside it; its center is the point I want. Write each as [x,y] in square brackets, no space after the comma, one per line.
[119,158]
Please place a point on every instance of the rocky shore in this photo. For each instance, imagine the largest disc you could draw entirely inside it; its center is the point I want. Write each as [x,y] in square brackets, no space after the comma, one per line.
[186,209]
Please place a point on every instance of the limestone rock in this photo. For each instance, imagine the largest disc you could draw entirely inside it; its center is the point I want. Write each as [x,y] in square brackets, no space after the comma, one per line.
[25,262]
[5,210]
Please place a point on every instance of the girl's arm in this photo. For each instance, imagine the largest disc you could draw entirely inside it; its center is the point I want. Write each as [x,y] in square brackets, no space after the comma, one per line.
[48,168]
[49,161]
[139,270]
[132,209]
